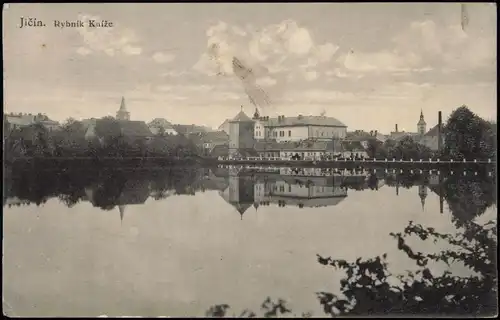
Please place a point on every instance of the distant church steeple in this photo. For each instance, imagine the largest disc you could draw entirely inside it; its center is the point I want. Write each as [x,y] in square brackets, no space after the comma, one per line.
[421,125]
[123,114]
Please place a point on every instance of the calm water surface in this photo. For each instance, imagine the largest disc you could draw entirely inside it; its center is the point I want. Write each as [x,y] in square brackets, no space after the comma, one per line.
[175,243]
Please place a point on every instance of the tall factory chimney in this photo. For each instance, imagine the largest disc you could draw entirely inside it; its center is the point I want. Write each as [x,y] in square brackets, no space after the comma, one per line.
[440,126]
[396,127]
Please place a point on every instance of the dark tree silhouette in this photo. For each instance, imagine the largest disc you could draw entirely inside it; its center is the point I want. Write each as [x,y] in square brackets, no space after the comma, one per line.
[469,136]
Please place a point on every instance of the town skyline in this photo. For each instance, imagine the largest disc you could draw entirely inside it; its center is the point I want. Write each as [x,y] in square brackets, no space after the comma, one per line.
[308,58]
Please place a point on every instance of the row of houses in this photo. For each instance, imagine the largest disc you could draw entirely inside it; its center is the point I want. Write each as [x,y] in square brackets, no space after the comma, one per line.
[20,120]
[300,137]
[122,125]
[310,137]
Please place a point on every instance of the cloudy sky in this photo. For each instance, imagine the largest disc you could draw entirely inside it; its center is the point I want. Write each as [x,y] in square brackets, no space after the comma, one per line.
[369,65]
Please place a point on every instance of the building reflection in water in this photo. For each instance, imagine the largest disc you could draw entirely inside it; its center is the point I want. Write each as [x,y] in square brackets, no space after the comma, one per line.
[241,188]
[302,187]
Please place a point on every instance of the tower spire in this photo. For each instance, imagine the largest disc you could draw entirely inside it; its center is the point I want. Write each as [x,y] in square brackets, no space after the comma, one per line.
[122,105]
[122,113]
[421,125]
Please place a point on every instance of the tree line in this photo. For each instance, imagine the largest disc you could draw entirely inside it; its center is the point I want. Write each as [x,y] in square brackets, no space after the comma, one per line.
[69,141]
[466,136]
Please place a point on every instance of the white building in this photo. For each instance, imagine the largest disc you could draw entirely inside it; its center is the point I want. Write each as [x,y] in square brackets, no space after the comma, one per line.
[159,124]
[430,139]
[17,121]
[284,129]
[300,191]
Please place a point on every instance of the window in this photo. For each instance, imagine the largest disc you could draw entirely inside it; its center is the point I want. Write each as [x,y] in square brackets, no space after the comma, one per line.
[289,133]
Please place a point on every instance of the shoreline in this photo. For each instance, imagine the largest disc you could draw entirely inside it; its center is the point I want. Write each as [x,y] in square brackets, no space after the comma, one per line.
[58,163]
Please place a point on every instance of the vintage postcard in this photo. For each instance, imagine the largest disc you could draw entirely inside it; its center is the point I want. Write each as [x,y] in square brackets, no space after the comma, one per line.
[249,160]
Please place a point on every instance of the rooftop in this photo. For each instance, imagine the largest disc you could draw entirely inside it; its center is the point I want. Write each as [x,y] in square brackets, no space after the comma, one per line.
[300,120]
[434,131]
[109,127]
[190,128]
[209,137]
[241,117]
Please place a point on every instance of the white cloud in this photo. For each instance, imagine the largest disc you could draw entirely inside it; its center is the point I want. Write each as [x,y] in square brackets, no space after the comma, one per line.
[320,96]
[266,81]
[300,41]
[325,52]
[131,50]
[108,40]
[83,51]
[424,45]
[275,48]
[110,51]
[311,75]
[339,73]
[449,45]
[164,88]
[161,57]
[238,31]
[378,61]
[173,73]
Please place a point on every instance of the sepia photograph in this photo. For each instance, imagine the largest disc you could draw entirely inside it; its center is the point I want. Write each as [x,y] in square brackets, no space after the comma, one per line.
[296,160]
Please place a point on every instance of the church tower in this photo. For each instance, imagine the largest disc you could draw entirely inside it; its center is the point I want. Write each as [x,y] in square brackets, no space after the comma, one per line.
[421,125]
[123,114]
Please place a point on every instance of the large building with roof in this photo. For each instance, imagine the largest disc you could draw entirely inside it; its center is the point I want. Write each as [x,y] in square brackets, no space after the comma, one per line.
[431,138]
[280,136]
[20,120]
[285,129]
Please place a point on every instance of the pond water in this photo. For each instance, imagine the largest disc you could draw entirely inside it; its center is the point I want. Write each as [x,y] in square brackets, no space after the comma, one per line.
[175,242]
